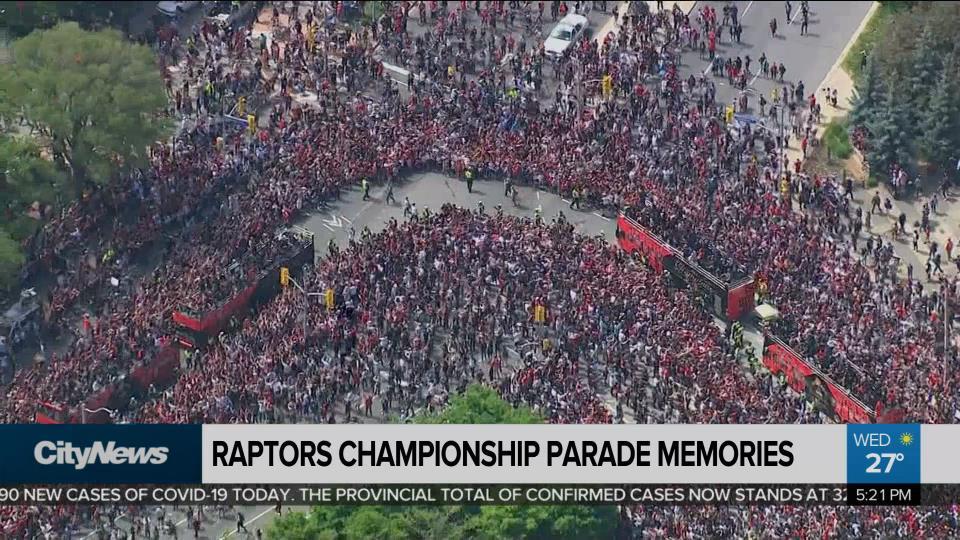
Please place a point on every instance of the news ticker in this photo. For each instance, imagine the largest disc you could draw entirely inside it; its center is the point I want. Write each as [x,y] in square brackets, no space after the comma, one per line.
[526,494]
[363,455]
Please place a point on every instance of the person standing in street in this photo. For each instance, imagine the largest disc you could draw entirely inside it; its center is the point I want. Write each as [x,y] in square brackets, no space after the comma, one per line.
[390,198]
[241,523]
[365,186]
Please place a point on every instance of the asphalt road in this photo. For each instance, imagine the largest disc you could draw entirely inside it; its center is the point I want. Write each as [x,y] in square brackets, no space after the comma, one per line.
[597,20]
[808,58]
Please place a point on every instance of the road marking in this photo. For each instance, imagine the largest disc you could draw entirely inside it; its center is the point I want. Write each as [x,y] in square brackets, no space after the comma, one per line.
[345,219]
[750,5]
[707,69]
[605,218]
[754,79]
[795,15]
[233,531]
[328,227]
[565,200]
[334,221]
[538,194]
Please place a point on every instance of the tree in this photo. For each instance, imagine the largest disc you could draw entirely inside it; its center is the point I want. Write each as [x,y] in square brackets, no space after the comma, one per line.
[26,177]
[924,71]
[96,98]
[867,96]
[11,259]
[940,134]
[891,138]
[480,405]
[476,405]
[543,522]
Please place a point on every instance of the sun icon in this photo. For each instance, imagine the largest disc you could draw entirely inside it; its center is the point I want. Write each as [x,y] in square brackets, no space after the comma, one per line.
[906,439]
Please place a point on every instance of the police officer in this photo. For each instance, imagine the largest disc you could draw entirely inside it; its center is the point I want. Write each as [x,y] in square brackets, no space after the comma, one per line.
[469,175]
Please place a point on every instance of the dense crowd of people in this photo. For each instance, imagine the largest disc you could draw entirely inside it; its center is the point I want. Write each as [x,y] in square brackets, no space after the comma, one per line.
[408,330]
[449,298]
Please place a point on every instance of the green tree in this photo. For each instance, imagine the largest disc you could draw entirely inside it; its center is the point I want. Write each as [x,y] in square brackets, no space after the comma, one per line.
[543,522]
[891,138]
[375,522]
[94,97]
[480,405]
[25,176]
[11,259]
[925,69]
[868,96]
[476,405]
[940,133]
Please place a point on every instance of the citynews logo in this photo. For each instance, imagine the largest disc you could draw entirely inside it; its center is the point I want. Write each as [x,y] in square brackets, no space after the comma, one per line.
[64,453]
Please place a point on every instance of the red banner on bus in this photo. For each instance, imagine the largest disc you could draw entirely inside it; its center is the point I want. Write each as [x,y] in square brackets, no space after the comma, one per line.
[740,299]
[634,237]
[823,391]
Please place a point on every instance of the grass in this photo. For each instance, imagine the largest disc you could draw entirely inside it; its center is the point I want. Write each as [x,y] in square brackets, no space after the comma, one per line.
[874,30]
[837,139]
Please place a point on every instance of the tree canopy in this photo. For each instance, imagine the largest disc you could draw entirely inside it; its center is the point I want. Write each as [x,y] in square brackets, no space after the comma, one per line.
[477,405]
[480,405]
[27,183]
[11,259]
[907,92]
[95,99]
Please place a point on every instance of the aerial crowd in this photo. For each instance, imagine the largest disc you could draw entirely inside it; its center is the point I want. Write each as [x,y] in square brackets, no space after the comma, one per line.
[449,296]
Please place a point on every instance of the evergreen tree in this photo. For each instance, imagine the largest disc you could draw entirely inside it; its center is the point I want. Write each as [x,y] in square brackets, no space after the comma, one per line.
[924,69]
[941,120]
[868,95]
[891,135]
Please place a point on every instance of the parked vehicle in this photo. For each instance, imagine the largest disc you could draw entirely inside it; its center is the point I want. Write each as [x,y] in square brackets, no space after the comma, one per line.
[567,32]
[173,9]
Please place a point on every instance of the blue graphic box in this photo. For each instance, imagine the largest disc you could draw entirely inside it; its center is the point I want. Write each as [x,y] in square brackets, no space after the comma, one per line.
[883,453]
[100,454]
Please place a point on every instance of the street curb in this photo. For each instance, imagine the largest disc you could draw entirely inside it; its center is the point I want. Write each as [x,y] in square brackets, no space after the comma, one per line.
[837,66]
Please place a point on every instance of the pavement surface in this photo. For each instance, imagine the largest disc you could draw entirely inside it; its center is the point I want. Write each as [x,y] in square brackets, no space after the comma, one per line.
[808,58]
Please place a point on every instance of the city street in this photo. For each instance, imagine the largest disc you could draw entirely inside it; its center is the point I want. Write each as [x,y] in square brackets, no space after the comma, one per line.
[808,58]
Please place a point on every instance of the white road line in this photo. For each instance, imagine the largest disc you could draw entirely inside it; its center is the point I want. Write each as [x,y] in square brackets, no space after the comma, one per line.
[345,219]
[707,69]
[754,79]
[565,200]
[750,5]
[255,518]
[605,218]
[328,227]
[795,15]
[538,194]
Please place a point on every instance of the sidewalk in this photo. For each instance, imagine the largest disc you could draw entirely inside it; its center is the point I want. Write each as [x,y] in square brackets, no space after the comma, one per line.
[882,223]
